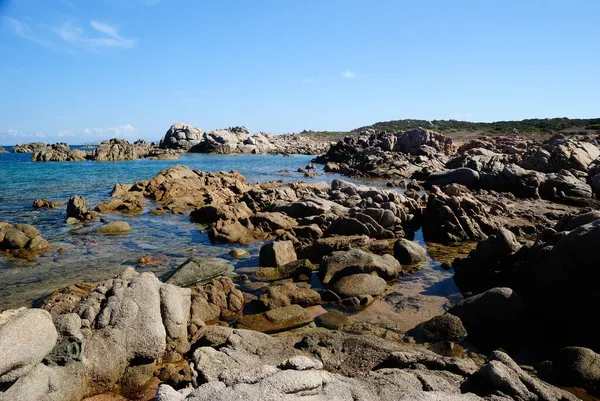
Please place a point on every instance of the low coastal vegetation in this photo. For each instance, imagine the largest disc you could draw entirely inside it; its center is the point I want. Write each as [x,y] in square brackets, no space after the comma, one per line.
[528,126]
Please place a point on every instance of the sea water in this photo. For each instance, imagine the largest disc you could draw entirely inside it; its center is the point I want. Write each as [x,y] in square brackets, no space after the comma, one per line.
[80,254]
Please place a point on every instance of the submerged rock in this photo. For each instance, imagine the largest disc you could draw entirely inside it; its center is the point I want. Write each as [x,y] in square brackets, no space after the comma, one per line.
[276,320]
[332,320]
[114,228]
[45,204]
[198,270]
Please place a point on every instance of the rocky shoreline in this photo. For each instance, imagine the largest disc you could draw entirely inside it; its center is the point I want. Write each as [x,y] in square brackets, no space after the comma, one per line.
[201,332]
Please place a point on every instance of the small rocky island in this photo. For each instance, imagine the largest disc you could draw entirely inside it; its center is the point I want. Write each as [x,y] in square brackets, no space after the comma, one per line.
[526,208]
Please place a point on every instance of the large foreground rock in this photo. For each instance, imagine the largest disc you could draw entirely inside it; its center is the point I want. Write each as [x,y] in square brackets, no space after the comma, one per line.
[179,188]
[491,317]
[502,375]
[577,367]
[238,363]
[26,337]
[114,228]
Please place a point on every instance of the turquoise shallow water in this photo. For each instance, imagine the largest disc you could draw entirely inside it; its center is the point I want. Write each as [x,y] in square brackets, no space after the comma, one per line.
[88,256]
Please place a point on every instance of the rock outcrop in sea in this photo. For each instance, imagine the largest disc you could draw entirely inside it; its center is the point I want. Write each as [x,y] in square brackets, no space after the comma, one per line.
[115,149]
[29,147]
[182,138]
[238,140]
[21,240]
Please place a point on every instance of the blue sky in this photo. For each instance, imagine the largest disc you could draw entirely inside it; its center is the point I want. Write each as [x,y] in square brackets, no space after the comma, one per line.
[85,70]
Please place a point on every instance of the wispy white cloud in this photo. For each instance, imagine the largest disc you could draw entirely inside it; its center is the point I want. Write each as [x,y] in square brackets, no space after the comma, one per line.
[110,38]
[65,134]
[101,35]
[351,75]
[13,133]
[463,116]
[27,31]
[120,130]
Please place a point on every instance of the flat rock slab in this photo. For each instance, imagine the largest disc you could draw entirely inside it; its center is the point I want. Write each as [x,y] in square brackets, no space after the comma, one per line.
[198,270]
[276,320]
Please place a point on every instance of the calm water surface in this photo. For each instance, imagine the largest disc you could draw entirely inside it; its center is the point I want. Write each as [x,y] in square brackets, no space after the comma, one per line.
[87,256]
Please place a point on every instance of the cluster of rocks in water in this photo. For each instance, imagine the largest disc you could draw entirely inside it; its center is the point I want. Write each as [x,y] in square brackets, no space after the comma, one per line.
[529,282]
[110,150]
[29,147]
[238,140]
[180,138]
[21,240]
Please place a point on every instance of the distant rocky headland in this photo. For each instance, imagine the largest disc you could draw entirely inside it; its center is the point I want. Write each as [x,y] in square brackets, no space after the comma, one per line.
[182,138]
